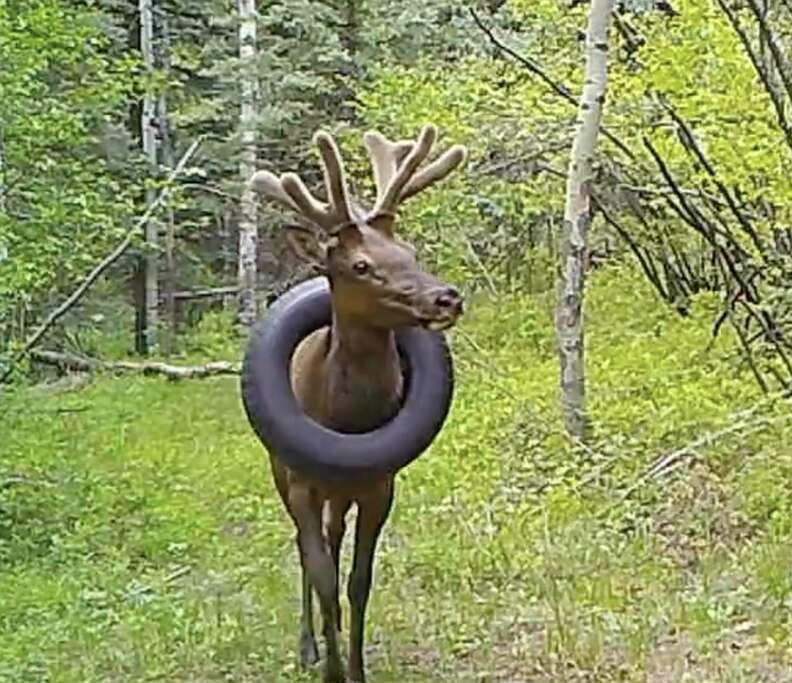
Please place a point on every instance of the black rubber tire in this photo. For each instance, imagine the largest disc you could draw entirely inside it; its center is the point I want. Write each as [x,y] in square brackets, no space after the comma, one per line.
[308,447]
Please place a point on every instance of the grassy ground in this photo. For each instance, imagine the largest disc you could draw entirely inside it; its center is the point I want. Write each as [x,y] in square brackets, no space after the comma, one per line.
[141,538]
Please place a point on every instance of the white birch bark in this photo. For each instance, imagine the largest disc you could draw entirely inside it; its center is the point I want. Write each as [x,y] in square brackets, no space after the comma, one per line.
[148,132]
[577,218]
[166,154]
[248,220]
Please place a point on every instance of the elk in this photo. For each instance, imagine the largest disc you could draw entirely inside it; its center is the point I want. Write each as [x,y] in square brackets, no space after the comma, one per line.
[348,376]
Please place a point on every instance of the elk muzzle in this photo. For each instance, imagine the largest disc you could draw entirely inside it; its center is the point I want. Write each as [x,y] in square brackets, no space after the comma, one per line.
[440,307]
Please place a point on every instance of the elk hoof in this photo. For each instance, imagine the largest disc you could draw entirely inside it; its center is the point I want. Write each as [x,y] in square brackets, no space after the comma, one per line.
[312,449]
[309,652]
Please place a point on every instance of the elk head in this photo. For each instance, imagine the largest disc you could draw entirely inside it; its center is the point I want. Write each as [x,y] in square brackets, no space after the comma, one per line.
[374,276]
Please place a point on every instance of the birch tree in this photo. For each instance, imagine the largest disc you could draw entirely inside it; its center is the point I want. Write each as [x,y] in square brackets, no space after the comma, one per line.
[167,158]
[577,218]
[248,222]
[149,136]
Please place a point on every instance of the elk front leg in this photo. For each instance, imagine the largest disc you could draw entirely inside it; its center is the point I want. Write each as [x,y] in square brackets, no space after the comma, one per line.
[309,653]
[337,509]
[318,565]
[372,512]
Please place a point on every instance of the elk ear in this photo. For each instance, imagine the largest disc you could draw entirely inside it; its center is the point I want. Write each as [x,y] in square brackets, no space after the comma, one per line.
[349,236]
[383,222]
[307,245]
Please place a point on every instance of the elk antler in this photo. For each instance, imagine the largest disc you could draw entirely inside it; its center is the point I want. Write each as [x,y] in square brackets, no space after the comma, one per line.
[396,164]
[396,176]
[385,159]
[290,191]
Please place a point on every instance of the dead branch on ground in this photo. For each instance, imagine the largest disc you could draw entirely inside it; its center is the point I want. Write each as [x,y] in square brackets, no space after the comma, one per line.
[103,265]
[71,363]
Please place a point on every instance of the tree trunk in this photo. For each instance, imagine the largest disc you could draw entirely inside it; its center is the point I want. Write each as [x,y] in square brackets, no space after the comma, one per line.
[227,252]
[577,218]
[248,219]
[148,134]
[350,36]
[166,145]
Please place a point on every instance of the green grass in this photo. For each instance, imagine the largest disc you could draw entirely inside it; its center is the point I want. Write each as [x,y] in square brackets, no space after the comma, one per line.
[141,538]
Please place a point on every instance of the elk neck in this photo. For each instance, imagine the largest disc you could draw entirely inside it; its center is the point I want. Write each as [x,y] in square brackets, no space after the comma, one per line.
[363,373]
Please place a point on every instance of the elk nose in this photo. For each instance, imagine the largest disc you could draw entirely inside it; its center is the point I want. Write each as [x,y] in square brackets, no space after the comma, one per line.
[449,298]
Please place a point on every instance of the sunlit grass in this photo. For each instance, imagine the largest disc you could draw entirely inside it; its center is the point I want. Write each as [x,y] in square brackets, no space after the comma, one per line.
[141,538]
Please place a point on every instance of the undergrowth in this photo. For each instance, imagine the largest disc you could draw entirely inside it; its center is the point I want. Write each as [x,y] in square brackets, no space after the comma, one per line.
[141,538]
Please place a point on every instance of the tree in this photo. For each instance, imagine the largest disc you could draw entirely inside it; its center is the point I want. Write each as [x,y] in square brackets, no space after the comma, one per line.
[167,160]
[577,218]
[148,125]
[248,221]
[65,204]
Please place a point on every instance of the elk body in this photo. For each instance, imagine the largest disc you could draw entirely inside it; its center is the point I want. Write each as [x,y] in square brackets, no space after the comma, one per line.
[348,376]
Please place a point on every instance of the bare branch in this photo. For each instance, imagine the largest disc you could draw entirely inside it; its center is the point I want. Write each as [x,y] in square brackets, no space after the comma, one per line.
[699,154]
[559,88]
[777,54]
[646,265]
[193,294]
[743,421]
[70,362]
[103,265]
[775,97]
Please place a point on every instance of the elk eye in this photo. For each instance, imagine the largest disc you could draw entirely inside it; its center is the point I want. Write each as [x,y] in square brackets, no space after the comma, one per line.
[360,267]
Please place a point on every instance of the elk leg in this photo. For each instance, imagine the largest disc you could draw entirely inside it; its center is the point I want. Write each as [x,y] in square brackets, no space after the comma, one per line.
[321,573]
[336,526]
[372,513]
[309,652]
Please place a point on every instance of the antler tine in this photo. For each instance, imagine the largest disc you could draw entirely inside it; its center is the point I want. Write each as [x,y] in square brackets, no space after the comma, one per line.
[269,185]
[306,203]
[396,176]
[340,209]
[385,158]
[290,191]
[437,170]
[392,193]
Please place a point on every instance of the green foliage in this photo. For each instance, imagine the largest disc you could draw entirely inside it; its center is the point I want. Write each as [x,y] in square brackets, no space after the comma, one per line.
[491,225]
[403,33]
[210,338]
[348,66]
[134,542]
[496,227]
[733,116]
[140,535]
[62,206]
[503,113]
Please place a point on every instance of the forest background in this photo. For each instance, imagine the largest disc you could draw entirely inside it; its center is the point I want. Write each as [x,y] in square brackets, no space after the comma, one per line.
[134,545]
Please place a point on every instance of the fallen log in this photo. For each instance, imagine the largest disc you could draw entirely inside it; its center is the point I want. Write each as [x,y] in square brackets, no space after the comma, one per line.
[102,266]
[190,295]
[73,363]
